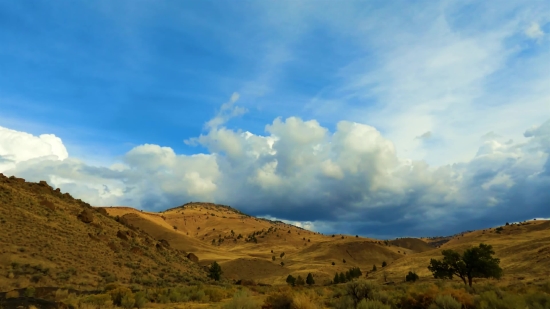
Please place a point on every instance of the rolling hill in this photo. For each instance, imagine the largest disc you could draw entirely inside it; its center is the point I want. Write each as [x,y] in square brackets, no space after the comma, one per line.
[51,239]
[48,238]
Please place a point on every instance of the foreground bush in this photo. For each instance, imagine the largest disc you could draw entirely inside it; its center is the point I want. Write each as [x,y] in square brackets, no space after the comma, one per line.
[242,300]
[371,304]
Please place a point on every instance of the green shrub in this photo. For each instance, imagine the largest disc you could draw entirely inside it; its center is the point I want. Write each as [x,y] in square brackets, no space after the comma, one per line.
[490,299]
[242,300]
[371,304]
[118,294]
[29,292]
[445,301]
[344,302]
[538,300]
[215,294]
[279,301]
[98,300]
[127,301]
[140,299]
[361,289]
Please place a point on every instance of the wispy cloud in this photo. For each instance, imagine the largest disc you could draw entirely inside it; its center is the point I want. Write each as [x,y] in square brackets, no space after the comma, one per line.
[534,31]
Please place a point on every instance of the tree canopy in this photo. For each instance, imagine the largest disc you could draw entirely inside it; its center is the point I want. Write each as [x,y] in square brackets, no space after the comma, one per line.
[215,271]
[476,262]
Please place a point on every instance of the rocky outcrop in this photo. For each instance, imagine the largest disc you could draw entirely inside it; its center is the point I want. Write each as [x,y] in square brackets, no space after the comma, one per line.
[193,257]
[86,216]
[122,235]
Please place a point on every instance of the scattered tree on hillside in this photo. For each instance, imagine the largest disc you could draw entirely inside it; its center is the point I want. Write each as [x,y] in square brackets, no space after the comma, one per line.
[333,263]
[282,263]
[476,262]
[411,277]
[355,272]
[336,279]
[300,281]
[309,279]
[343,260]
[282,254]
[384,264]
[342,278]
[291,280]
[373,267]
[273,258]
[215,271]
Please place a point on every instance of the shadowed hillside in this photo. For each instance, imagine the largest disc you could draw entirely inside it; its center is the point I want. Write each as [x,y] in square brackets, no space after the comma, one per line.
[49,238]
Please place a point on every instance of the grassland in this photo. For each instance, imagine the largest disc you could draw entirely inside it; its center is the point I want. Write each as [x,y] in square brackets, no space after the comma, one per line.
[61,249]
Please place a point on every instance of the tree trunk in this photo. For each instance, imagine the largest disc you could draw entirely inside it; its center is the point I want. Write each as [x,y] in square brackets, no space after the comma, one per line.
[470,281]
[463,280]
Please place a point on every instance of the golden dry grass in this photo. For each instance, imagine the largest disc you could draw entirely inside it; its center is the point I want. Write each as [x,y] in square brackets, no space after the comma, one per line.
[523,249]
[43,243]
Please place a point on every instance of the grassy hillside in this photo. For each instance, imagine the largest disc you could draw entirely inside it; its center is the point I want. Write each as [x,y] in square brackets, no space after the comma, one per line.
[245,245]
[524,251]
[49,238]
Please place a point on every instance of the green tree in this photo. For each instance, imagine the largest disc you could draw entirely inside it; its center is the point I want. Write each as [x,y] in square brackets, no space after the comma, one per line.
[282,254]
[342,278]
[373,267]
[411,276]
[384,264]
[215,271]
[348,276]
[300,280]
[476,262]
[336,279]
[291,280]
[309,279]
[355,272]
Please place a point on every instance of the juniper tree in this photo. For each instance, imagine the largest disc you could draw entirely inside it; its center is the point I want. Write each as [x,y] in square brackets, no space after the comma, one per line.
[291,280]
[309,279]
[215,271]
[476,262]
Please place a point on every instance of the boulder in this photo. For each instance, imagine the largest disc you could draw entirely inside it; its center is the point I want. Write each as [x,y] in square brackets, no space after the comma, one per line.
[86,216]
[102,211]
[122,235]
[191,256]
[164,243]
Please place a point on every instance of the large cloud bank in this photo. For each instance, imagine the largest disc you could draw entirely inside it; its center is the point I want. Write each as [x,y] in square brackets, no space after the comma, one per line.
[349,180]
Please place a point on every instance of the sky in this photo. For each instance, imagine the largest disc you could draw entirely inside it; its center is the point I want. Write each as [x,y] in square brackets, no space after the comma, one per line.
[377,118]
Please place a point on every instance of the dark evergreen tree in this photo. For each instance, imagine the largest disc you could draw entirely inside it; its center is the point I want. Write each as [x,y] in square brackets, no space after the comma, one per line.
[215,272]
[291,280]
[309,279]
[342,278]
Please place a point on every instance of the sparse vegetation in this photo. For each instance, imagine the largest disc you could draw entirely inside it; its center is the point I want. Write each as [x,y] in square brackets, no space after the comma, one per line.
[135,268]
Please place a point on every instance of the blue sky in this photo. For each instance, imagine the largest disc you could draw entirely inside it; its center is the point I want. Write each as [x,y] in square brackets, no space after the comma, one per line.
[387,111]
